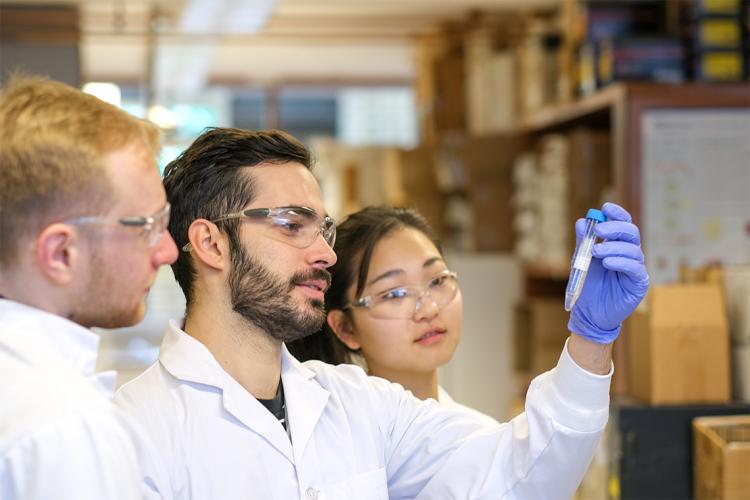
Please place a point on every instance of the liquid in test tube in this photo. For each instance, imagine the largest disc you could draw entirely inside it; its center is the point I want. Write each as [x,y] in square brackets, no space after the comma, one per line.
[582,258]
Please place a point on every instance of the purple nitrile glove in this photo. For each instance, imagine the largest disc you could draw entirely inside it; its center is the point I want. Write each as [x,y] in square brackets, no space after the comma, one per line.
[617,279]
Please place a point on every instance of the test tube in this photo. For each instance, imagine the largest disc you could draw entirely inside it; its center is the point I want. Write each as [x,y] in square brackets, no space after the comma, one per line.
[582,258]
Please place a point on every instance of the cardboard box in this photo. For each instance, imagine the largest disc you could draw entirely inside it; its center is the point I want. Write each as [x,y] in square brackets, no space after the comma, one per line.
[721,457]
[701,274]
[736,281]
[741,371]
[736,286]
[652,449]
[678,347]
[540,329]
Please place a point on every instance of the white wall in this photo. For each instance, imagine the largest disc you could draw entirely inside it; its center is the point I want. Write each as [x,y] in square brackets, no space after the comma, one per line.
[480,373]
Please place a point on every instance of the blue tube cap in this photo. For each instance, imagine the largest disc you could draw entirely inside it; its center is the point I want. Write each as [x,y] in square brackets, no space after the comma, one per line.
[595,214]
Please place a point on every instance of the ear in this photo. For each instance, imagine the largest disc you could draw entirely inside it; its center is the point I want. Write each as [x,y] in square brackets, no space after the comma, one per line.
[58,249]
[341,325]
[209,245]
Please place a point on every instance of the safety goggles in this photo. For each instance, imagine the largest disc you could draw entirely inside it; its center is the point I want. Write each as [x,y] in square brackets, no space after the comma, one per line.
[404,302]
[152,227]
[295,226]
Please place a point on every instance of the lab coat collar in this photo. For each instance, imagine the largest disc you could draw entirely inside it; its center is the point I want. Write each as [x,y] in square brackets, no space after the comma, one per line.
[189,360]
[306,400]
[444,398]
[41,337]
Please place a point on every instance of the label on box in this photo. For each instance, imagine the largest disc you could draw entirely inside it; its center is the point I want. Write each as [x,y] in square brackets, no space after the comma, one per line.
[720,6]
[722,66]
[720,33]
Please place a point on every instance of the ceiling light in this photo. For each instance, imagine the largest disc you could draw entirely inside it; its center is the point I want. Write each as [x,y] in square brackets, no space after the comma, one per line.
[107,92]
[162,117]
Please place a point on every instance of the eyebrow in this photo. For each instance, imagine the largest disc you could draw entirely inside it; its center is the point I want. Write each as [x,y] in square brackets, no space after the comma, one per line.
[399,272]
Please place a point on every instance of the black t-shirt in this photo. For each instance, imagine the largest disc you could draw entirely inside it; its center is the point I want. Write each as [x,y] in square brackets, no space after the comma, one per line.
[277,405]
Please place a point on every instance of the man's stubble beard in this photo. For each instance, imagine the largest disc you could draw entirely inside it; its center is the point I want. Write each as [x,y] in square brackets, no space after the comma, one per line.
[102,303]
[267,302]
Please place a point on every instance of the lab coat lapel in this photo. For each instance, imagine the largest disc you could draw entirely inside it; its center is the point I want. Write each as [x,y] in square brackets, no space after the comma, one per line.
[305,401]
[190,361]
[253,415]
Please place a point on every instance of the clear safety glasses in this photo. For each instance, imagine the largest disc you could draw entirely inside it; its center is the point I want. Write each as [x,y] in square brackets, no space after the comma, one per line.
[404,301]
[295,226]
[152,227]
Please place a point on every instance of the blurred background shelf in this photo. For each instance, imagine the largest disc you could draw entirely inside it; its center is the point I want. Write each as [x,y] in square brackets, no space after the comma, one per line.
[594,109]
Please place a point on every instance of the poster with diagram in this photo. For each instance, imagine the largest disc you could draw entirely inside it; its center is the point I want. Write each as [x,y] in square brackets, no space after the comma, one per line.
[695,189]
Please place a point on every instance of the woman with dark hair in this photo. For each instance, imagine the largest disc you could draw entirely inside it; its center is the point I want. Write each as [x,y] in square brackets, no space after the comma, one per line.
[393,305]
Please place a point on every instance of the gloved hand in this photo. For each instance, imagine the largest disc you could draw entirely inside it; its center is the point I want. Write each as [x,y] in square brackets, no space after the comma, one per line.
[617,279]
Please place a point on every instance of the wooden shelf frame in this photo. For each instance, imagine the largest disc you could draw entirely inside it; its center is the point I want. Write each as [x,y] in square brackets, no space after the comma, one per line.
[564,115]
[622,104]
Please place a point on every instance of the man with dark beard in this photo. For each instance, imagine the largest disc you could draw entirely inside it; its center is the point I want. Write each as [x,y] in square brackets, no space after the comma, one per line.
[234,415]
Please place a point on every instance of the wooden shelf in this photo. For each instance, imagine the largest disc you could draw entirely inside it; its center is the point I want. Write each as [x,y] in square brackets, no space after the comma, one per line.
[650,94]
[565,114]
[542,271]
[540,280]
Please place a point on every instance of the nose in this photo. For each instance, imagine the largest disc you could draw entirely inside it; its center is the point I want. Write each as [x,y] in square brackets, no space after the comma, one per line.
[321,253]
[165,251]
[426,307]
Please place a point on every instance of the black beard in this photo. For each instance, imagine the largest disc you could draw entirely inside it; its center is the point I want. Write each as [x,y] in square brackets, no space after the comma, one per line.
[267,302]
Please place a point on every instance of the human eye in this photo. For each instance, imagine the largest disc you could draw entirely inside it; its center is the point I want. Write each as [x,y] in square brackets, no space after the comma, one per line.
[290,226]
[439,280]
[394,294]
[445,279]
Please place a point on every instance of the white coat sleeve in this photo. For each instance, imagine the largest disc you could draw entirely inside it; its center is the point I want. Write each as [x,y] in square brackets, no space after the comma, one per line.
[432,453]
[81,457]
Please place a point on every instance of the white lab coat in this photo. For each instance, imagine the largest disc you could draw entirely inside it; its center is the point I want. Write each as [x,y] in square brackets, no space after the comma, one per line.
[60,435]
[446,401]
[357,437]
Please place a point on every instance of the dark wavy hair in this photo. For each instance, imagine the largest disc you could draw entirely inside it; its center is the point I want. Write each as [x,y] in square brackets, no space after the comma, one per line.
[356,238]
[208,180]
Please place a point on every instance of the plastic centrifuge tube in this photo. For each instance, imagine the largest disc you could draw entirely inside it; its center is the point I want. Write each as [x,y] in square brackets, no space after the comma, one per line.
[582,258]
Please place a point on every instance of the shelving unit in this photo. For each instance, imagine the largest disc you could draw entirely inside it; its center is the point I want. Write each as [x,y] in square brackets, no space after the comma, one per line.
[618,108]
